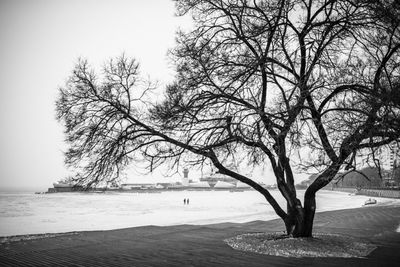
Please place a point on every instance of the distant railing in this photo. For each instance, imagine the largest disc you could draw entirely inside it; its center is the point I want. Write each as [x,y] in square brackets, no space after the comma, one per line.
[379,193]
[373,192]
[394,188]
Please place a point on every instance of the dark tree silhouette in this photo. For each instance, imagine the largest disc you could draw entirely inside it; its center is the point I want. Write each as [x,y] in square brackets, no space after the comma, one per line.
[255,79]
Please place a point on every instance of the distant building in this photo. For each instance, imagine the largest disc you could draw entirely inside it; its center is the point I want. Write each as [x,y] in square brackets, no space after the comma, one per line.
[214,178]
[136,186]
[65,185]
[185,180]
[394,158]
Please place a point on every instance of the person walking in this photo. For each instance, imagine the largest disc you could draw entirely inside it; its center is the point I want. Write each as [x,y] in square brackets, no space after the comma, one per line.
[184,201]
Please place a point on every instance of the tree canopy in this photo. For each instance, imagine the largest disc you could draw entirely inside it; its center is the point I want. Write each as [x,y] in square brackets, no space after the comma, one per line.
[255,80]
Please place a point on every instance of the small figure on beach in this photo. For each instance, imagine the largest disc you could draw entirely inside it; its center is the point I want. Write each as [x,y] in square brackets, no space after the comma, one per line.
[187,201]
[184,201]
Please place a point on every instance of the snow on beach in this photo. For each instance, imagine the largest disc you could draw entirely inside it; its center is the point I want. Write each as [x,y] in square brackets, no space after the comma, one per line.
[28,213]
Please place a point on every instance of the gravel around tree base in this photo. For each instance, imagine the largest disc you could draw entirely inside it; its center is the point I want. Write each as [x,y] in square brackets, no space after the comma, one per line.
[321,245]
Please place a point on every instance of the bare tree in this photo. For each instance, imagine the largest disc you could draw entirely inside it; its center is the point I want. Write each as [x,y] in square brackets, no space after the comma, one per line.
[258,80]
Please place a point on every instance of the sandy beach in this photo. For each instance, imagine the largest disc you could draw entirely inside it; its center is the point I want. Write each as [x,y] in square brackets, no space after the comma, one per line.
[202,245]
[26,214]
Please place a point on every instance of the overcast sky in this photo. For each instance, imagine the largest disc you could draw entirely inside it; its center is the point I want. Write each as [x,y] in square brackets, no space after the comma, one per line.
[40,42]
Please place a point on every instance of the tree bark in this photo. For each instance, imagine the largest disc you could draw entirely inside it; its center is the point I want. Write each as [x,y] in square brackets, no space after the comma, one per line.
[309,212]
[296,222]
[309,198]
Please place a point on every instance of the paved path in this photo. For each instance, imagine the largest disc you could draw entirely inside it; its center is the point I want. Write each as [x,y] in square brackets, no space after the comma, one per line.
[191,245]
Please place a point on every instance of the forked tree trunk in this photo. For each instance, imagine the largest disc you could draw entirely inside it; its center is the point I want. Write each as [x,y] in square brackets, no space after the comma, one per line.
[300,221]
[297,225]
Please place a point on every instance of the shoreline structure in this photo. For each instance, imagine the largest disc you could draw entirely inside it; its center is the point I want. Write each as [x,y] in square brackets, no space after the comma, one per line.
[385,193]
[214,181]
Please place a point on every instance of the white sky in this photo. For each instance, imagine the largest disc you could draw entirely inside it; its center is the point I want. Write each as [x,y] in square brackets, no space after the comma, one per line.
[40,42]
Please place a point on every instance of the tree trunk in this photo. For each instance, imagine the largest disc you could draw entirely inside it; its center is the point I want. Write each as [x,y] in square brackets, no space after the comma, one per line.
[299,226]
[299,221]
[309,212]
[309,198]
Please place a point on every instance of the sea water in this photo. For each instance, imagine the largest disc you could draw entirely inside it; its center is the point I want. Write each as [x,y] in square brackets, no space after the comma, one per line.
[28,213]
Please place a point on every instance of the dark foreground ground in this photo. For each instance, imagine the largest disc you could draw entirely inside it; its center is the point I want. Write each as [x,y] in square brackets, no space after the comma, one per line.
[192,245]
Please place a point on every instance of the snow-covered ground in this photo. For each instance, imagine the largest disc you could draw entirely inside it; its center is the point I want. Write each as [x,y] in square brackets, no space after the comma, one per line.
[64,212]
